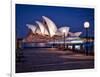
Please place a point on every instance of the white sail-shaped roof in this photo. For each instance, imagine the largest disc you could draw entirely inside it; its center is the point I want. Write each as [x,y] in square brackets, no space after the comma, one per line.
[48,27]
[51,26]
[31,27]
[42,28]
[64,29]
[77,34]
[38,31]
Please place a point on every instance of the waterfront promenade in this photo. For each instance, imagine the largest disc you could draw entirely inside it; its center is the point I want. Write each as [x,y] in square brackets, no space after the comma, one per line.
[51,59]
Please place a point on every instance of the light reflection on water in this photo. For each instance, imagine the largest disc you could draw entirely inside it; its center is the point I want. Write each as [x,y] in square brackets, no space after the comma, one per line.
[90,45]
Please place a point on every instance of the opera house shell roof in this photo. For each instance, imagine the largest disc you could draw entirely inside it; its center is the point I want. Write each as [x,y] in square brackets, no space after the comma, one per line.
[49,28]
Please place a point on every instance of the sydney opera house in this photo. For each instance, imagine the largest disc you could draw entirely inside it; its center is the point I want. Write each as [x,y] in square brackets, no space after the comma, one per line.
[48,48]
[47,31]
[52,38]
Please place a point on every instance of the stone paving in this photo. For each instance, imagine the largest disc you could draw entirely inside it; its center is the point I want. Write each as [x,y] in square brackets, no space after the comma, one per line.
[51,59]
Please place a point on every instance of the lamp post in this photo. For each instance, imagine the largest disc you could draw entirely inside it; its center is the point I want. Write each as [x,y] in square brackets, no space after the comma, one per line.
[64,37]
[86,26]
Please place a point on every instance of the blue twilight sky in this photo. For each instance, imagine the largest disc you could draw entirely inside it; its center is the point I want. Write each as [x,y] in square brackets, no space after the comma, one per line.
[72,17]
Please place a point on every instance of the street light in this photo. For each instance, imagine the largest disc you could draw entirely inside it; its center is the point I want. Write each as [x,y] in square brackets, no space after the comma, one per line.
[86,26]
[64,31]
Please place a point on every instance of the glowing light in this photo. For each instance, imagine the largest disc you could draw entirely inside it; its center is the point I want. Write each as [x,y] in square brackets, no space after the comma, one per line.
[64,30]
[86,24]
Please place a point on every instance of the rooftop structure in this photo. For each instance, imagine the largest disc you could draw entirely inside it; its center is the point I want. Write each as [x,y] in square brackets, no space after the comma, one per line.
[49,28]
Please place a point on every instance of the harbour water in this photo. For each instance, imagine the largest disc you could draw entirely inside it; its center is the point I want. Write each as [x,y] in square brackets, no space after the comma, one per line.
[85,45]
